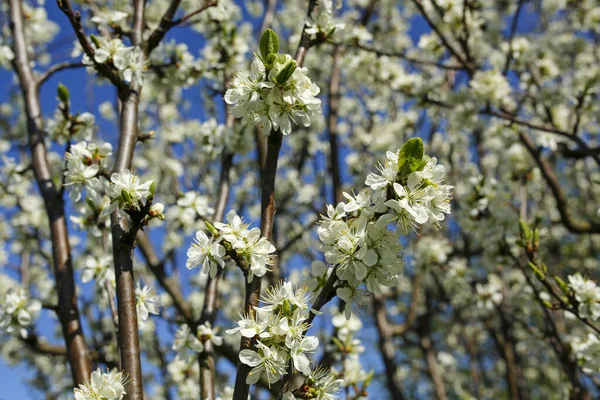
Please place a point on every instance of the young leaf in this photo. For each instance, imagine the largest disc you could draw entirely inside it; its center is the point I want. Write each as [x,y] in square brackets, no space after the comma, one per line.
[286,72]
[410,156]
[269,43]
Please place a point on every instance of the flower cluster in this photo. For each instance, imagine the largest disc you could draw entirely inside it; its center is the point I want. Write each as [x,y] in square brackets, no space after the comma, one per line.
[491,86]
[355,238]
[103,386]
[18,311]
[64,127]
[276,93]
[587,294]
[100,269]
[83,163]
[279,327]
[127,60]
[490,293]
[146,303]
[321,23]
[187,345]
[248,245]
[320,384]
[6,55]
[587,352]
[128,194]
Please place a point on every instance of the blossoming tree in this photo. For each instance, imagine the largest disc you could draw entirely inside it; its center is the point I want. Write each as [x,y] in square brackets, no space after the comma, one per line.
[371,198]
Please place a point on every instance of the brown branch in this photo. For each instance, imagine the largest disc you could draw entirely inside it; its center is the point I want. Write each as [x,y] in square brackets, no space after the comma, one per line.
[441,36]
[411,315]
[266,228]
[206,358]
[194,13]
[75,20]
[269,13]
[572,224]
[68,313]
[332,120]
[386,348]
[43,347]
[57,68]
[405,57]
[513,30]
[167,22]
[123,236]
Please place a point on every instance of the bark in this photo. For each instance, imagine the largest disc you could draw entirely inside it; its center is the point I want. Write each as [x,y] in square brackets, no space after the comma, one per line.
[68,313]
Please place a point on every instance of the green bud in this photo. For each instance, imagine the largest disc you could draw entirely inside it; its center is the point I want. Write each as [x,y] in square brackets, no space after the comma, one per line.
[95,40]
[286,72]
[536,238]
[269,43]
[369,378]
[524,230]
[211,228]
[562,284]
[63,93]
[338,342]
[538,272]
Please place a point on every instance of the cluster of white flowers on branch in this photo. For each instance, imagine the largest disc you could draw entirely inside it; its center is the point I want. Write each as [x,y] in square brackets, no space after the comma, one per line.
[103,385]
[408,193]
[18,311]
[84,162]
[128,194]
[321,23]
[276,93]
[587,296]
[279,329]
[235,239]
[128,60]
[188,345]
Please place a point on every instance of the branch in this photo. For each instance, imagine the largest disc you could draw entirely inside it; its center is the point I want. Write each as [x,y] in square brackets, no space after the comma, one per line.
[266,228]
[68,313]
[206,358]
[386,348]
[572,224]
[56,68]
[75,20]
[513,30]
[167,22]
[447,44]
[406,57]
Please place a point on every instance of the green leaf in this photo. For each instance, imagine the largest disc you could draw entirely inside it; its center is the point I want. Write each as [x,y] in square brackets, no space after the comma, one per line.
[286,72]
[63,93]
[269,43]
[410,156]
[126,196]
